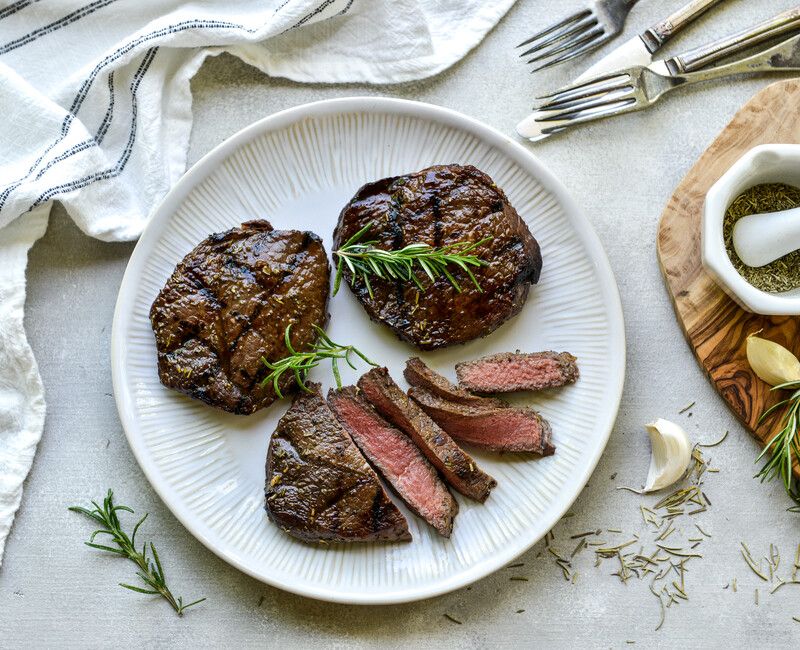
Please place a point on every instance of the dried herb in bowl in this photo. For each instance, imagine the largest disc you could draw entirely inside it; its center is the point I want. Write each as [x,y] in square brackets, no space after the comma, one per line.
[783,274]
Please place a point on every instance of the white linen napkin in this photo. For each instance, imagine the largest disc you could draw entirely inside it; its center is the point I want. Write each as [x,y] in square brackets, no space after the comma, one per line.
[96,114]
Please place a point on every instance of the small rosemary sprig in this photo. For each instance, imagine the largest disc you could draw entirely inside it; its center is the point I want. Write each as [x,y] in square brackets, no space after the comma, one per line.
[300,363]
[150,570]
[364,260]
[784,446]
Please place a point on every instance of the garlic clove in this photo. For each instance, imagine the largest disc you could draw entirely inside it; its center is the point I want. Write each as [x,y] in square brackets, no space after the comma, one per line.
[671,453]
[772,362]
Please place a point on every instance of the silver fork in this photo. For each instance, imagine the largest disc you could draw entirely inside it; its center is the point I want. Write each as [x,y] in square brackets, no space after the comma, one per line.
[638,88]
[578,34]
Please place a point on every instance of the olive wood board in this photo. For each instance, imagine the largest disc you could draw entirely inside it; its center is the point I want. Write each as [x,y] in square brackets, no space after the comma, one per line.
[715,326]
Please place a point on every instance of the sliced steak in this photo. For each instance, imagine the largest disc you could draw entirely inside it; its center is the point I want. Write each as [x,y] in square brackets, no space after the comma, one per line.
[419,375]
[228,303]
[498,429]
[456,466]
[397,459]
[319,487]
[513,371]
[438,206]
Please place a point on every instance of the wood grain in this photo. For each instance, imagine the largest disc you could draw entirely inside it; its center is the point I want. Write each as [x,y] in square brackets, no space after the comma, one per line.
[715,326]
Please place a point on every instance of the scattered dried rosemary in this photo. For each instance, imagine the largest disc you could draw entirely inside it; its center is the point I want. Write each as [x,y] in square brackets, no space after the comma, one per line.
[660,552]
[782,274]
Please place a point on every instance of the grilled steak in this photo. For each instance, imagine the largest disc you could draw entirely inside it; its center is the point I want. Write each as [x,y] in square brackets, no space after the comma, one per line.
[397,459]
[439,206]
[498,429]
[455,465]
[508,372]
[319,487]
[419,375]
[228,303]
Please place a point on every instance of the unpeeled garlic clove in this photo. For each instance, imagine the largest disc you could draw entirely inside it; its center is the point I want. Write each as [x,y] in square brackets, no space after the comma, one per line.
[771,361]
[671,453]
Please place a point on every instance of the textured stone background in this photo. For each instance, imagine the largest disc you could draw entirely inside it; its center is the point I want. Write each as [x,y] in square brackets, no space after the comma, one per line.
[56,592]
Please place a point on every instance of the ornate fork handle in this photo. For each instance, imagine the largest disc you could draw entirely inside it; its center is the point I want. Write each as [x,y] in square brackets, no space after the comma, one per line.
[655,37]
[784,57]
[700,57]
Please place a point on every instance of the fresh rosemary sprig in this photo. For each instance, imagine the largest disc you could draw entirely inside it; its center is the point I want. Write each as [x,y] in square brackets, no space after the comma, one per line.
[299,363]
[784,446]
[150,570]
[364,260]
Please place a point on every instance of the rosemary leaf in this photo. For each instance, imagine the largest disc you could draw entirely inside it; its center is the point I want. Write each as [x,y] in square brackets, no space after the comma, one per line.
[714,444]
[363,259]
[300,363]
[783,449]
[150,572]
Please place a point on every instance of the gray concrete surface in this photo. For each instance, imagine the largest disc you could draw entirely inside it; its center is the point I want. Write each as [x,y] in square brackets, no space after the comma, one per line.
[54,592]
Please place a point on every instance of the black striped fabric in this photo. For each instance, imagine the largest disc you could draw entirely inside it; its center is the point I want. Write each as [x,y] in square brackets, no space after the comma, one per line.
[46,162]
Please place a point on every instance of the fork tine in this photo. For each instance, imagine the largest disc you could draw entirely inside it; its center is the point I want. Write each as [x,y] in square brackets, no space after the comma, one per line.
[610,111]
[584,84]
[571,100]
[547,30]
[576,27]
[577,103]
[591,45]
[586,108]
[569,45]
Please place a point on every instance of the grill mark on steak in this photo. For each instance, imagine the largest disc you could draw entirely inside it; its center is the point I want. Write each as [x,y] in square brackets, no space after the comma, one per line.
[228,303]
[437,221]
[395,216]
[396,458]
[439,206]
[455,465]
[497,429]
[318,485]
[419,375]
[508,372]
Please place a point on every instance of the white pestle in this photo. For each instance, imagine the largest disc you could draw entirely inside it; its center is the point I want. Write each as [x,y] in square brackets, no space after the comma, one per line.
[763,238]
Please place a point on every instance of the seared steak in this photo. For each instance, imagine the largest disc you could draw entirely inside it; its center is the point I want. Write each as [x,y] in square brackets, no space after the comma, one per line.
[498,429]
[397,459]
[419,375]
[509,372]
[319,487]
[228,303]
[456,466]
[439,206]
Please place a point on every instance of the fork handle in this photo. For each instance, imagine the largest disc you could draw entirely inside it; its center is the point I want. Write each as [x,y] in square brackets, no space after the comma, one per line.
[783,57]
[655,37]
[701,57]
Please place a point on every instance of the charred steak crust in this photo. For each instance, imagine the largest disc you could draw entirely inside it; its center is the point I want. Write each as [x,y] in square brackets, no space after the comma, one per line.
[420,375]
[228,303]
[456,466]
[510,428]
[396,458]
[514,371]
[438,206]
[319,487]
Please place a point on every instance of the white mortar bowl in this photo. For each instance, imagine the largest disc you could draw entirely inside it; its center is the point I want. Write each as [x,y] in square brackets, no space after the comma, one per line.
[769,163]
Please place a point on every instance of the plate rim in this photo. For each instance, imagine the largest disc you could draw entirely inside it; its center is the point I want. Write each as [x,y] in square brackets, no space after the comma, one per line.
[206,165]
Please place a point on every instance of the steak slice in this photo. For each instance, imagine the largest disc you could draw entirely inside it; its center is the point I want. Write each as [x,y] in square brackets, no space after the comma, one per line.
[443,205]
[511,371]
[419,375]
[319,488]
[498,429]
[397,459]
[227,305]
[455,465]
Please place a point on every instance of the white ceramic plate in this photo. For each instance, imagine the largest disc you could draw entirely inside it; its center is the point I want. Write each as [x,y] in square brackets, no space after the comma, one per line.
[297,169]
